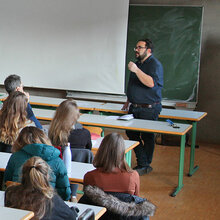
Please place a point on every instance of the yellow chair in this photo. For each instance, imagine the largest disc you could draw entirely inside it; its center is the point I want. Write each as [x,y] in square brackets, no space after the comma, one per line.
[96,130]
[11,183]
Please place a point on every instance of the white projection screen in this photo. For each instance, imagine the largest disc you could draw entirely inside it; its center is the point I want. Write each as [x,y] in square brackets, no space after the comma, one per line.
[65,44]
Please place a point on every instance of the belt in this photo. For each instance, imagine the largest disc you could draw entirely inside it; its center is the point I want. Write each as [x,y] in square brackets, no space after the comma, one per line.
[145,105]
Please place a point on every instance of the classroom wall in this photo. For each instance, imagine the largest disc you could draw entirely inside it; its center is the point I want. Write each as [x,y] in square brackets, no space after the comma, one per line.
[209,77]
[209,81]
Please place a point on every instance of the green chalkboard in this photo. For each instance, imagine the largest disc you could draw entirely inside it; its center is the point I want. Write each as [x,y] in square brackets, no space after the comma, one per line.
[176,34]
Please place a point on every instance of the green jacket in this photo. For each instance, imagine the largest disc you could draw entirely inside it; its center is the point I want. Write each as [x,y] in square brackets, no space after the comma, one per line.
[59,179]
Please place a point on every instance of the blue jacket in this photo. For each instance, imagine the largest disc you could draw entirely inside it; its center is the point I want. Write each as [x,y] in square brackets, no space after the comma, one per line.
[31,116]
[59,179]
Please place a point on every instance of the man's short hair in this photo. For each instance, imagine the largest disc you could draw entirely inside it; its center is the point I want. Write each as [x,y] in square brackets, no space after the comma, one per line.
[149,44]
[12,82]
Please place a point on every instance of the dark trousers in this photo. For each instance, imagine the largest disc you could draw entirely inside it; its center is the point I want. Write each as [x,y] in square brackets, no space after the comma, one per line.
[144,151]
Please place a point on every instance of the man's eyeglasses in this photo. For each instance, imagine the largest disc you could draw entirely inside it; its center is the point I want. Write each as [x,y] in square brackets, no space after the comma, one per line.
[138,48]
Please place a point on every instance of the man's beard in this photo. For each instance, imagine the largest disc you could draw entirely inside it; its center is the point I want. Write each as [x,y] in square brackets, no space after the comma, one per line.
[141,57]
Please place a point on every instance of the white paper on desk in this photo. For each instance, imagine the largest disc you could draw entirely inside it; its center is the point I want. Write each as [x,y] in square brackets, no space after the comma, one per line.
[112,117]
[126,117]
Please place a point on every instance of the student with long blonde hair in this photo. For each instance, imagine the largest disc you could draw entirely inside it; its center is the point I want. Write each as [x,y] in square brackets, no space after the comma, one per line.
[64,129]
[112,173]
[33,142]
[12,119]
[35,193]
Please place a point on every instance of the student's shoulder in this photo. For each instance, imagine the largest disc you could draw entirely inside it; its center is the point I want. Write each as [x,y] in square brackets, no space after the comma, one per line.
[92,173]
[60,210]
[135,174]
[19,155]
[13,189]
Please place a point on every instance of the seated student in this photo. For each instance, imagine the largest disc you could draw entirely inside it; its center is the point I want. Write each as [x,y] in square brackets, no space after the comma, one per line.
[64,127]
[33,142]
[13,83]
[35,193]
[114,185]
[12,119]
[112,173]
[63,130]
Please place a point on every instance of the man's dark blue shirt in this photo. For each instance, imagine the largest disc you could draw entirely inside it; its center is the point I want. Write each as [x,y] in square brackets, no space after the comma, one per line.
[137,92]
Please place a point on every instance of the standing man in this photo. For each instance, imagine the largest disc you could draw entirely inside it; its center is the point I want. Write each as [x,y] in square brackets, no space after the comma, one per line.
[144,97]
[13,83]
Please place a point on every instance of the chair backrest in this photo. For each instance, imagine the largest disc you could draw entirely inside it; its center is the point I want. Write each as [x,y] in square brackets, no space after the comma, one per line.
[95,132]
[82,155]
[11,183]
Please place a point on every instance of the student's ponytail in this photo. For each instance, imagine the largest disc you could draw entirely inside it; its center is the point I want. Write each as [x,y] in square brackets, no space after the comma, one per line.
[34,193]
[36,174]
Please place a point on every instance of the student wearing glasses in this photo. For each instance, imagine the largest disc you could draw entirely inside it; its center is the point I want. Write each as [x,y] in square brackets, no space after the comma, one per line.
[144,95]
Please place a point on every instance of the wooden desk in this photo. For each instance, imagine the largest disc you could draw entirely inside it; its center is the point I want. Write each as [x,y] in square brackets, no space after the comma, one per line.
[55,102]
[4,158]
[12,214]
[134,124]
[99,211]
[3,96]
[144,126]
[191,117]
[78,170]
[81,168]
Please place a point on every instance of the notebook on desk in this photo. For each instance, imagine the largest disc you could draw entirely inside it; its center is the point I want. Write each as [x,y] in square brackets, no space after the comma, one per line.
[126,117]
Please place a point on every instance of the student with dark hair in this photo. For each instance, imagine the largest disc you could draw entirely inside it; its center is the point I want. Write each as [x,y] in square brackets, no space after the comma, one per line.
[33,142]
[36,194]
[12,119]
[112,173]
[13,83]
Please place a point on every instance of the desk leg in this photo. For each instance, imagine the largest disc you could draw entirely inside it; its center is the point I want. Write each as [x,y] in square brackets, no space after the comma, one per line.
[181,166]
[102,133]
[193,169]
[128,157]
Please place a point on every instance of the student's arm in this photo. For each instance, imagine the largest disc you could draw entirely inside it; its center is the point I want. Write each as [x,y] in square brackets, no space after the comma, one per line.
[31,116]
[62,181]
[8,174]
[88,179]
[89,141]
[61,210]
[137,183]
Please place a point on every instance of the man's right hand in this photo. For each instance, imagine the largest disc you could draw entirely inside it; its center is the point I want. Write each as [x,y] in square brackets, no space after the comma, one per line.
[125,106]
